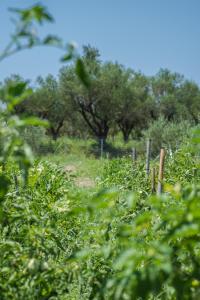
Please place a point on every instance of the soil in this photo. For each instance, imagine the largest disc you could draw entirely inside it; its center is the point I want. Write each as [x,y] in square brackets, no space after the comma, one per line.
[82,182]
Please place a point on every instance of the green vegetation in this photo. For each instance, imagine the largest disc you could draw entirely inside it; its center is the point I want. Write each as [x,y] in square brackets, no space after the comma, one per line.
[62,238]
[76,226]
[117,100]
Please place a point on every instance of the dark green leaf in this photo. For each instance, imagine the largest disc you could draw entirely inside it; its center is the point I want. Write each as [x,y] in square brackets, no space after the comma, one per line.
[81,72]
[4,185]
[52,40]
[36,13]
[17,88]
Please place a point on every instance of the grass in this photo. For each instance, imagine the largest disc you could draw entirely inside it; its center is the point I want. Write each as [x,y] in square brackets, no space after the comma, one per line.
[83,155]
[84,166]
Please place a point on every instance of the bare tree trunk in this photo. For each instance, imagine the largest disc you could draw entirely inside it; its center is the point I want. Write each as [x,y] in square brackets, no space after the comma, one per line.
[55,131]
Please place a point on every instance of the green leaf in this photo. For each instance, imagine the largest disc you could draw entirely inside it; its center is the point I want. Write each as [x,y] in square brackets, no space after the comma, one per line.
[34,121]
[82,74]
[15,121]
[106,194]
[66,57]
[4,185]
[70,53]
[17,88]
[36,13]
[17,100]
[52,40]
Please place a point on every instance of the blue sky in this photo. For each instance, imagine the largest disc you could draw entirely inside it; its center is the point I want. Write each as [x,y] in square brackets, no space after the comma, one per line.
[145,35]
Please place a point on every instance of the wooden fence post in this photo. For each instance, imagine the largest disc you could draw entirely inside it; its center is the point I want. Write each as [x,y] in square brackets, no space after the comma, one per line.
[161,171]
[148,155]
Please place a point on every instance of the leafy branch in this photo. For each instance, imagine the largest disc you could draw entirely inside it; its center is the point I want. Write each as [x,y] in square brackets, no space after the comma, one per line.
[25,34]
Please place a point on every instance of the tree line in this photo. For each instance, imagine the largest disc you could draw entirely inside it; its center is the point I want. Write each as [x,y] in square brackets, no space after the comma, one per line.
[113,99]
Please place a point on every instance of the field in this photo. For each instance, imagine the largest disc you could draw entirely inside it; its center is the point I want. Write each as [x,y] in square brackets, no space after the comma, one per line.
[99,162]
[83,227]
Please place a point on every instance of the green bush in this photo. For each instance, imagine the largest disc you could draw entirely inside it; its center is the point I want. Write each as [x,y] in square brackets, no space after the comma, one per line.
[167,134]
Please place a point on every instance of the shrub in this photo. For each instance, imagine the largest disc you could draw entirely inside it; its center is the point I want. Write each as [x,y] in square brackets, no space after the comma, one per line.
[167,134]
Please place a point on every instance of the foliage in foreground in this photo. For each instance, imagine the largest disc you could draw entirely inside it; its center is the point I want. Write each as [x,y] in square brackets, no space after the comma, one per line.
[59,242]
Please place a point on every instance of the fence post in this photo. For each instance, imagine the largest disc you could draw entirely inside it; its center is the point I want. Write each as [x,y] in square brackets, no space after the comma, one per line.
[153,181]
[161,171]
[134,154]
[148,155]
[101,147]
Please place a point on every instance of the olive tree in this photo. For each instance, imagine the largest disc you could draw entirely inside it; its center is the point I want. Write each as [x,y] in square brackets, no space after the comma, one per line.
[96,103]
[134,104]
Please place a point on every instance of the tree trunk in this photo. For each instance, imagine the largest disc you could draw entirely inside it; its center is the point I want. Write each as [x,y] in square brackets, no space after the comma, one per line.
[55,131]
[103,131]
[54,135]
[126,131]
[98,126]
[126,127]
[125,136]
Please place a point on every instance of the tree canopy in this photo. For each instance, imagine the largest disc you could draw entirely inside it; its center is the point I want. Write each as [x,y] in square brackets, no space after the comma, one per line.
[113,98]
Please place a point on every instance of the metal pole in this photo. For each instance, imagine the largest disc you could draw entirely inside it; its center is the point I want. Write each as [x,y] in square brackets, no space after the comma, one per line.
[153,182]
[101,147]
[148,155]
[134,154]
